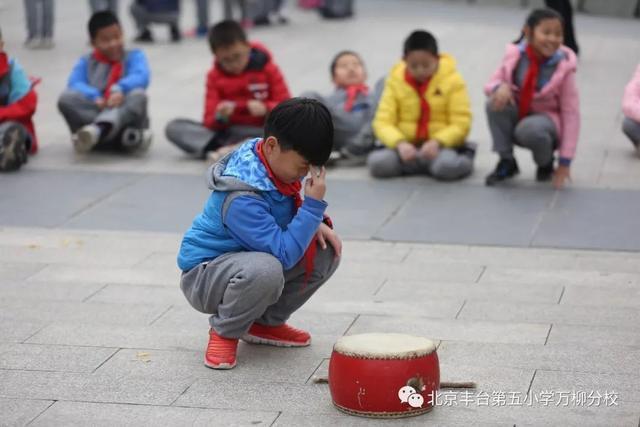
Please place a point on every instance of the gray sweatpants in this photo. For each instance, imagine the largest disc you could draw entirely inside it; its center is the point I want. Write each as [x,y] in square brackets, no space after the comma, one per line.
[80,111]
[144,18]
[194,138]
[39,18]
[449,165]
[99,5]
[536,132]
[631,128]
[240,288]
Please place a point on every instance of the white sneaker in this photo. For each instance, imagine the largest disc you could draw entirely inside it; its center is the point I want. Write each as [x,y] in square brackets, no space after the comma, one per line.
[86,138]
[147,139]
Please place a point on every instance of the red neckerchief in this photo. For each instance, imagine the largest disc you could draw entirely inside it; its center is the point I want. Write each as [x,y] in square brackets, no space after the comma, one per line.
[529,84]
[115,73]
[422,132]
[352,94]
[290,190]
[4,64]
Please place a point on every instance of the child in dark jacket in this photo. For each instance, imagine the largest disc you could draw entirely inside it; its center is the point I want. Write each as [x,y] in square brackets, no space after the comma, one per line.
[258,251]
[105,103]
[242,87]
[17,105]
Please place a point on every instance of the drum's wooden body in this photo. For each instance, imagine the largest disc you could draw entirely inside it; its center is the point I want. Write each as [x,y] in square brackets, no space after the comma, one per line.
[384,375]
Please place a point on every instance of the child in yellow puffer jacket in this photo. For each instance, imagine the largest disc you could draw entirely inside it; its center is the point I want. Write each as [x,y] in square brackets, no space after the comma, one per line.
[424,116]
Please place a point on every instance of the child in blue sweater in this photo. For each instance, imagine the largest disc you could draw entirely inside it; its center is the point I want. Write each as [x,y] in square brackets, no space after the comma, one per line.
[259,251]
[105,103]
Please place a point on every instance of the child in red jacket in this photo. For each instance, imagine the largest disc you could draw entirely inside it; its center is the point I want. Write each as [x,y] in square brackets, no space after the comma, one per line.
[242,87]
[17,105]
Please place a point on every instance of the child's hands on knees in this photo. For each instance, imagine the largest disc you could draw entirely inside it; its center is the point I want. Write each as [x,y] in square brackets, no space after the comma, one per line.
[256,108]
[501,97]
[562,174]
[115,100]
[326,234]
[225,108]
[430,149]
[315,185]
[407,151]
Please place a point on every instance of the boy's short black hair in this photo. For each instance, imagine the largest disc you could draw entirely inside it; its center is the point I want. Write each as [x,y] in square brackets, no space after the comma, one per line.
[226,33]
[421,40]
[303,125]
[100,20]
[339,55]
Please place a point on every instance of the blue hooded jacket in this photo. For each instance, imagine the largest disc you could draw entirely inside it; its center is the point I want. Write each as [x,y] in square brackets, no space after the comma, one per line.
[246,212]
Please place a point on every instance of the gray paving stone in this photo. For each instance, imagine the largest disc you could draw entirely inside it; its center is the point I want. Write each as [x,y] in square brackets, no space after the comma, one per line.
[18,330]
[627,317]
[20,412]
[624,386]
[93,314]
[428,291]
[52,190]
[607,208]
[615,336]
[558,277]
[581,357]
[107,415]
[362,250]
[169,276]
[46,292]
[458,330]
[446,308]
[428,271]
[76,255]
[614,296]
[89,387]
[238,395]
[141,294]
[32,357]
[19,271]
[474,215]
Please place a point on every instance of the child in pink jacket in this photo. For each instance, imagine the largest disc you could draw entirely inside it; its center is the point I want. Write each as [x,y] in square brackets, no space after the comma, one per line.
[533,101]
[631,110]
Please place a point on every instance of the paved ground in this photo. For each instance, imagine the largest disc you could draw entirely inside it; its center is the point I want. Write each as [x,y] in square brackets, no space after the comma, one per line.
[94,330]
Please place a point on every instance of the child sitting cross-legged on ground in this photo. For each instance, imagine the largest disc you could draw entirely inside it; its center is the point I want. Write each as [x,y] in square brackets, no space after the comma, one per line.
[258,251]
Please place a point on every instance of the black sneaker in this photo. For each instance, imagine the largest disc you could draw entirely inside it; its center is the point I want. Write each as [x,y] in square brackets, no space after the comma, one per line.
[175,33]
[13,149]
[505,169]
[145,36]
[545,173]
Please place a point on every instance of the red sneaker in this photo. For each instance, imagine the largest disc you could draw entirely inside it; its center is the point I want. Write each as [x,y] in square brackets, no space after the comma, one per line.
[221,352]
[280,336]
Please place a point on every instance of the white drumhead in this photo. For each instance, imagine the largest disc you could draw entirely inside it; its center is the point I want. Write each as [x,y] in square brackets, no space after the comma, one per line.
[384,346]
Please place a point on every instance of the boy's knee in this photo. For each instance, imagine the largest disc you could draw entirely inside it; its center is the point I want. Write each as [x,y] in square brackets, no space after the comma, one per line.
[530,131]
[631,128]
[384,164]
[449,166]
[68,99]
[326,262]
[267,273]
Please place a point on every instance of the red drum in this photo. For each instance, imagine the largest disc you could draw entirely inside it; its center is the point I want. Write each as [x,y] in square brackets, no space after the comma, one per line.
[384,375]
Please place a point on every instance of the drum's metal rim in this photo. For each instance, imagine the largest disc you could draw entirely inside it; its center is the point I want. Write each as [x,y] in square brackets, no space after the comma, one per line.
[403,414]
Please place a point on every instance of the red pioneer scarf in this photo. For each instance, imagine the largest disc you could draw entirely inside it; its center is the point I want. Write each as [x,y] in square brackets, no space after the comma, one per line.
[290,190]
[422,132]
[529,84]
[352,94]
[114,74]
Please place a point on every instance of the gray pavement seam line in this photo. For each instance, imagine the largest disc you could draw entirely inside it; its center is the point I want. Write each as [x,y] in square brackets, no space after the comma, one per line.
[561,294]
[32,335]
[160,316]
[461,307]
[45,265]
[316,369]
[533,377]
[541,217]
[395,212]
[275,419]
[41,412]
[106,360]
[94,293]
[351,325]
[95,202]
[546,340]
[484,268]
[379,288]
[404,258]
[183,391]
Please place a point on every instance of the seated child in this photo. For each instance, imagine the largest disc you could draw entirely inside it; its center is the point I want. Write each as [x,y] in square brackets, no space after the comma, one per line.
[258,251]
[533,101]
[242,87]
[631,110]
[146,12]
[105,103]
[17,105]
[424,116]
[352,107]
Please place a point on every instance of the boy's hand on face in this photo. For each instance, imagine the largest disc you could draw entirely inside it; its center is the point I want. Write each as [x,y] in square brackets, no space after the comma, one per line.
[101,103]
[501,97]
[315,185]
[257,108]
[430,149]
[562,174]
[225,108]
[407,151]
[326,234]
[115,100]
